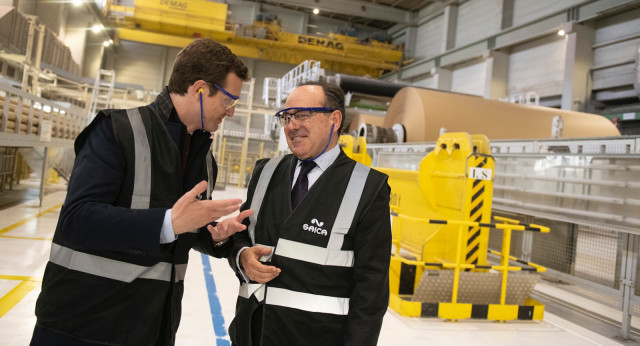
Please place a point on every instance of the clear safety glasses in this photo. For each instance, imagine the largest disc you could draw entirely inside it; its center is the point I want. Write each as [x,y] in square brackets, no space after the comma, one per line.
[300,114]
[230,100]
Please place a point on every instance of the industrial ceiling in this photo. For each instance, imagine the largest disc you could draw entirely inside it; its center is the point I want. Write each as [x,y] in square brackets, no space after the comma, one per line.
[380,14]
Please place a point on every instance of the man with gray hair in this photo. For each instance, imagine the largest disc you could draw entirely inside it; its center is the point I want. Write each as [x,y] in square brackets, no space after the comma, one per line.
[314,262]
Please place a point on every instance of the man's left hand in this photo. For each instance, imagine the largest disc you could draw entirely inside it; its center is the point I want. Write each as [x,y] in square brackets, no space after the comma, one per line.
[227,227]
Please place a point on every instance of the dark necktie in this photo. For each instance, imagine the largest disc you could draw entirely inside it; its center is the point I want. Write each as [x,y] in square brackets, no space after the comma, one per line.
[302,183]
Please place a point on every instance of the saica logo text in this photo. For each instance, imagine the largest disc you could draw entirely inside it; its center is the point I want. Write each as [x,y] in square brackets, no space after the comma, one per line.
[317,229]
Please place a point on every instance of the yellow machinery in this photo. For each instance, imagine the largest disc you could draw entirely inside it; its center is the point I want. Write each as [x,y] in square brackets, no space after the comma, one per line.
[177,23]
[441,224]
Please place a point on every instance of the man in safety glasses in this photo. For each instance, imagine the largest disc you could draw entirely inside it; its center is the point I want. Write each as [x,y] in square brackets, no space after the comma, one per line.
[136,205]
[313,263]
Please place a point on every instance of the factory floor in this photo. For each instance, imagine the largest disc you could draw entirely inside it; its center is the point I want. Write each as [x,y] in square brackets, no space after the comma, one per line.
[26,230]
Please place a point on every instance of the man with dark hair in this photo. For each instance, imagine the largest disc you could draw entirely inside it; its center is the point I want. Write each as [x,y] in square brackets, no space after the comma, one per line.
[313,266]
[137,202]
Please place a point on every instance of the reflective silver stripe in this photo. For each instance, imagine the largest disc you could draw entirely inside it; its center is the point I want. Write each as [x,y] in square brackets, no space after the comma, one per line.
[258,195]
[266,258]
[314,254]
[108,268]
[181,272]
[307,302]
[210,182]
[142,175]
[348,206]
[246,290]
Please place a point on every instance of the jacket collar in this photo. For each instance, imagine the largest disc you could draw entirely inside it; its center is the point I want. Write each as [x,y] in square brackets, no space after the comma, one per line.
[163,105]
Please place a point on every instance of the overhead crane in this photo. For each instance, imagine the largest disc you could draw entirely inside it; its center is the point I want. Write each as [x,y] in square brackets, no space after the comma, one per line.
[177,23]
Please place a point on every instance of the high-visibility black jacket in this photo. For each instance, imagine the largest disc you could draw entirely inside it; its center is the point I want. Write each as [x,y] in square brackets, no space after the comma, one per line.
[333,288]
[109,280]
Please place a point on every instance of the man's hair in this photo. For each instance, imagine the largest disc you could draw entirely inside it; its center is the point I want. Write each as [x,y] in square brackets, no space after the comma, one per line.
[204,59]
[333,98]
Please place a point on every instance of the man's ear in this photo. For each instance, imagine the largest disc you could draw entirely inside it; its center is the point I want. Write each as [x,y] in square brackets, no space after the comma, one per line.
[337,118]
[199,87]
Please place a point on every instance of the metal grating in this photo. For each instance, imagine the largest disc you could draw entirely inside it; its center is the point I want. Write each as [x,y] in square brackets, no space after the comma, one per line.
[554,250]
[495,242]
[598,255]
[474,287]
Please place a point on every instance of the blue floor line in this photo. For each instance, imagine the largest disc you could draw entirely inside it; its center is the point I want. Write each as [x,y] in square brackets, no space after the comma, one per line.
[214,304]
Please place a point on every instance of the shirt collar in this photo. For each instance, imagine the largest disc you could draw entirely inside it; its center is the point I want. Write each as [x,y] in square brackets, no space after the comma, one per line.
[325,160]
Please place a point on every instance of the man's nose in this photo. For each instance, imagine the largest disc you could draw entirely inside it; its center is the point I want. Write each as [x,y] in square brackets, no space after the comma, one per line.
[293,123]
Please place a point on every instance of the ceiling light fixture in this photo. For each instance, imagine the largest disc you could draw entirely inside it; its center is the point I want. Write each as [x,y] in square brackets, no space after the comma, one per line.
[316,11]
[561,32]
[97,28]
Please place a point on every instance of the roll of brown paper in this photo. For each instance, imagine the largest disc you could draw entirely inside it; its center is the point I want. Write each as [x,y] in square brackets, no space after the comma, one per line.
[360,118]
[424,112]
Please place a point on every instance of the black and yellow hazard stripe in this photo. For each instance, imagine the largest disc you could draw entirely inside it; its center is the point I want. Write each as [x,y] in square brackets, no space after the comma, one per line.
[531,310]
[407,278]
[477,202]
[408,274]
[530,266]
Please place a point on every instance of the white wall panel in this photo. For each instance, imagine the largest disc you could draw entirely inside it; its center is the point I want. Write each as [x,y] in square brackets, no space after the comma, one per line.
[424,81]
[75,36]
[617,53]
[477,19]
[401,38]
[243,14]
[537,66]
[141,64]
[429,38]
[469,78]
[525,11]
[171,54]
[613,77]
[292,21]
[612,49]
[262,69]
[615,27]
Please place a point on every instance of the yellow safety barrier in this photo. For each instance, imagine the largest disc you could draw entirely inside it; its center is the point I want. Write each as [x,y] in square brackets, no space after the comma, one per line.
[441,222]
[405,274]
[355,148]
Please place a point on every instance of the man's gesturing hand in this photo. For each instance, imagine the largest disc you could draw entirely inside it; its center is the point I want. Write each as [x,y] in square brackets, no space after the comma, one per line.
[190,213]
[255,270]
[225,228]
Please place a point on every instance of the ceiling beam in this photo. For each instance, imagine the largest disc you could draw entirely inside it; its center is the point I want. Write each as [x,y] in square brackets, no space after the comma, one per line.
[354,8]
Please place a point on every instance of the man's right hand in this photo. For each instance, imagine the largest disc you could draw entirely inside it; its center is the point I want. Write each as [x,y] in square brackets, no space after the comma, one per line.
[190,213]
[253,268]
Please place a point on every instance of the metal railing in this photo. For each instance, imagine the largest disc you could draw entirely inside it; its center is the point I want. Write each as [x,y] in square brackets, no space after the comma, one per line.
[28,120]
[586,190]
[506,225]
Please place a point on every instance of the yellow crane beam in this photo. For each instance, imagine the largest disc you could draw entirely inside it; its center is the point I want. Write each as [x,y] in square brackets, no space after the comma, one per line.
[176,24]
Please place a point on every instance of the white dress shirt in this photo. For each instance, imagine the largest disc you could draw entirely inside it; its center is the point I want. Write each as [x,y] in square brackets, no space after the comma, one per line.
[322,163]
